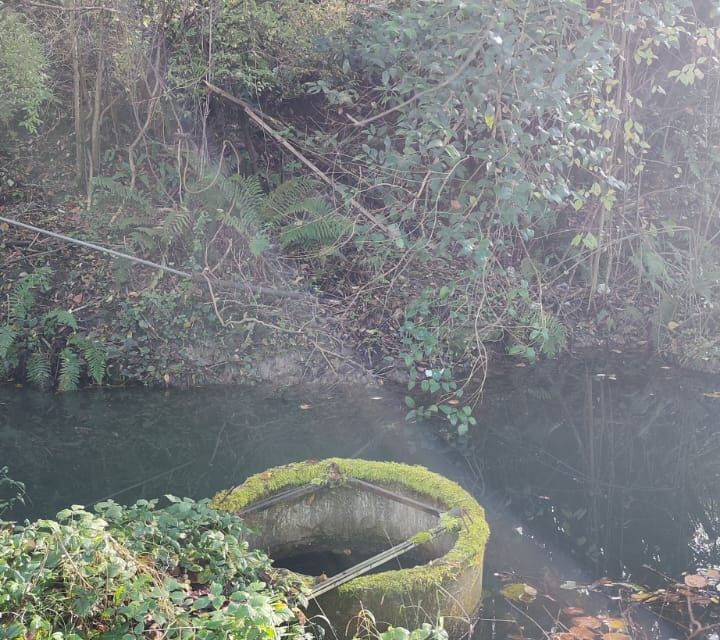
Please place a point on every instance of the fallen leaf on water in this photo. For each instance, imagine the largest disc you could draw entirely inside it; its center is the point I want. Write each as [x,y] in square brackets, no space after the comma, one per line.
[616,636]
[573,611]
[672,325]
[712,394]
[583,633]
[641,596]
[696,581]
[305,407]
[615,624]
[591,622]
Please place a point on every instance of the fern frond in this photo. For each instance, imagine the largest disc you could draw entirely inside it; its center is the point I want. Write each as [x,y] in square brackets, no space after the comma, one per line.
[62,318]
[176,223]
[22,297]
[95,357]
[311,234]
[69,379]
[38,369]
[142,239]
[7,340]
[123,193]
[281,203]
[246,199]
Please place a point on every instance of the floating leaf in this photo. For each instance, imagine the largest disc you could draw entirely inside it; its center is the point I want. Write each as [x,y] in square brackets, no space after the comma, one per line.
[583,633]
[615,624]
[696,581]
[591,622]
[573,611]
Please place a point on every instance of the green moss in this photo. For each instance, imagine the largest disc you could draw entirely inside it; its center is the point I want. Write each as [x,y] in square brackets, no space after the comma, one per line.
[422,537]
[472,529]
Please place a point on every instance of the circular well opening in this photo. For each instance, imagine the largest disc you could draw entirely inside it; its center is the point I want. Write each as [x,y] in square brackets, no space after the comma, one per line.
[334,529]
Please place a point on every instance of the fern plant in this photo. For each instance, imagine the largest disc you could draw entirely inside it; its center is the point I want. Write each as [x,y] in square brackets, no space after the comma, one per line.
[34,346]
[304,220]
[110,188]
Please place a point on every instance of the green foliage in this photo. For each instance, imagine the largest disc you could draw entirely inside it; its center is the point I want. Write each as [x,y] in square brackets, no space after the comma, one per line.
[258,47]
[35,345]
[11,492]
[242,198]
[37,370]
[69,378]
[23,72]
[121,193]
[183,571]
[304,219]
[94,355]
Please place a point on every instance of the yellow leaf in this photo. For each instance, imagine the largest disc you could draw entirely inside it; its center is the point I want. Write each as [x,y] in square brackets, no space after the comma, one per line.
[615,624]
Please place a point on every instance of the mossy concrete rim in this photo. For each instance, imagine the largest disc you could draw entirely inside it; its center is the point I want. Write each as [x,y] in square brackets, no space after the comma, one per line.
[472,528]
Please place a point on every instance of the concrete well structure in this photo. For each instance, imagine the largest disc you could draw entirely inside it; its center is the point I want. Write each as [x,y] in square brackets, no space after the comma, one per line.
[345,506]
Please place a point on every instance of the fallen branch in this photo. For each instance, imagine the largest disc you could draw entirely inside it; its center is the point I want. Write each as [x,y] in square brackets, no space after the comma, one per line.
[255,117]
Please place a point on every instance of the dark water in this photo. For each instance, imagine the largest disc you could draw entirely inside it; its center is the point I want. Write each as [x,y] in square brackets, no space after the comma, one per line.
[584,469]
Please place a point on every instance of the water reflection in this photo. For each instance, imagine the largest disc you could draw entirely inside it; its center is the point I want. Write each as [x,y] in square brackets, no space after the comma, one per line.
[617,464]
[592,468]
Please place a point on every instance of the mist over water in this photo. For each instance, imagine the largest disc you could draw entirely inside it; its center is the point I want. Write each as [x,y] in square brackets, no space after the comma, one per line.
[585,469]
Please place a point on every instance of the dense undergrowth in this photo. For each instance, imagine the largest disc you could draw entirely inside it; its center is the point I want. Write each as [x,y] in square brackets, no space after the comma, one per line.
[144,571]
[436,181]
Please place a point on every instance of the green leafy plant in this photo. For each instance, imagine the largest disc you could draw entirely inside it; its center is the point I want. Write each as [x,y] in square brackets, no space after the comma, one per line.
[182,571]
[23,70]
[12,492]
[37,345]
[304,220]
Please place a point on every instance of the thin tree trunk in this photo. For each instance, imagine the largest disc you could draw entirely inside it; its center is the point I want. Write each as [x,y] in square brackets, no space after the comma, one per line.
[77,103]
[96,117]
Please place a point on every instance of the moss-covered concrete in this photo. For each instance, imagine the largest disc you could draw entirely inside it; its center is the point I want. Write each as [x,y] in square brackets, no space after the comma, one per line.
[449,587]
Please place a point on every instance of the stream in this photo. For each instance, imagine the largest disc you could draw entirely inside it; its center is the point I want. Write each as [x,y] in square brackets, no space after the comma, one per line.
[585,468]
